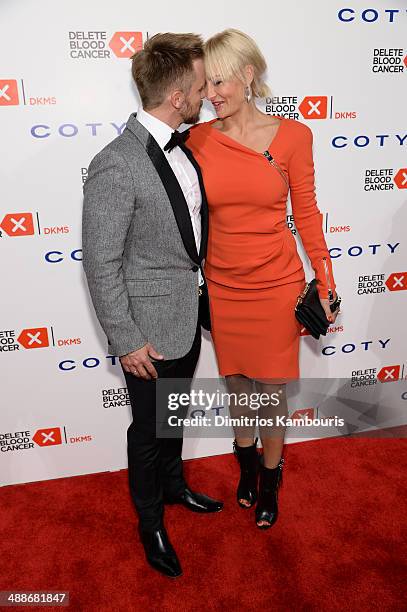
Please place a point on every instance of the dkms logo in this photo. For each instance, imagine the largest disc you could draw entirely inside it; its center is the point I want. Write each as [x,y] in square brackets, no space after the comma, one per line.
[332,329]
[18,224]
[10,96]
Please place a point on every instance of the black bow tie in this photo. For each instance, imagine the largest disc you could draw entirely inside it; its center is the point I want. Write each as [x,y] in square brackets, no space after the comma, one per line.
[177,139]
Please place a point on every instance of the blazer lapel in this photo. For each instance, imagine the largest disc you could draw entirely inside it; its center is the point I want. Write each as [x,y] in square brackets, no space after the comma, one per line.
[204,205]
[174,191]
[175,196]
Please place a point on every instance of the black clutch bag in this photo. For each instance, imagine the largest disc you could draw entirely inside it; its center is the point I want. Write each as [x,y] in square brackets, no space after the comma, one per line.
[309,311]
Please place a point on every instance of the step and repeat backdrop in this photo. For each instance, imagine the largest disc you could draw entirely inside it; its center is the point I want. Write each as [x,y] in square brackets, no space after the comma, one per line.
[66,91]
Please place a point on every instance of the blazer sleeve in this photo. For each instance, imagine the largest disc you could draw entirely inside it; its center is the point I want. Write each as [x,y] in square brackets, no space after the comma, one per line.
[109,200]
[307,216]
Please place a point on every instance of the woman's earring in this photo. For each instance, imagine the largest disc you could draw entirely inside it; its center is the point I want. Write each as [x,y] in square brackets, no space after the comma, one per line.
[248,93]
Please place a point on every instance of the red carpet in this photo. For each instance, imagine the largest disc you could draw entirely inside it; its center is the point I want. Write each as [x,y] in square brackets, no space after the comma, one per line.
[339,543]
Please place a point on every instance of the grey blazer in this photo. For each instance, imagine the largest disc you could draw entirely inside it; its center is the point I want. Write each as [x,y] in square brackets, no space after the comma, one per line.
[139,252]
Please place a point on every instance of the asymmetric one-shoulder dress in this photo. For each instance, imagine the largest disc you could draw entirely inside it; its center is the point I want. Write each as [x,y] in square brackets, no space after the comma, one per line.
[253,269]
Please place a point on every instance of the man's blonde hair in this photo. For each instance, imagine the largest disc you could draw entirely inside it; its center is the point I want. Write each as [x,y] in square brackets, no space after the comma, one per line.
[227,54]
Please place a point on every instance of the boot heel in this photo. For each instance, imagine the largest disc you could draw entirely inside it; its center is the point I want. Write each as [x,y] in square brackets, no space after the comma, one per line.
[267,505]
[248,459]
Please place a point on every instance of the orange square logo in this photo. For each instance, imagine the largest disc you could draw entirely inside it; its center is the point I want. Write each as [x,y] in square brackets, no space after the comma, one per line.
[126,44]
[8,92]
[397,281]
[18,224]
[48,437]
[401,178]
[303,412]
[314,107]
[389,373]
[36,337]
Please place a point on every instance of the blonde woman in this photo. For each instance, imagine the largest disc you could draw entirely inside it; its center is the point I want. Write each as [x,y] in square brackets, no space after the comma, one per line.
[250,161]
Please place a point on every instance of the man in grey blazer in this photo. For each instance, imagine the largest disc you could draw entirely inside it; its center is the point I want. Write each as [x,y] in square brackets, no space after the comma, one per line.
[145,228]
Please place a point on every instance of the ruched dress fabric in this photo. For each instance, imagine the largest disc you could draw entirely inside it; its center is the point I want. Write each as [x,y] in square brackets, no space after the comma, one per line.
[253,269]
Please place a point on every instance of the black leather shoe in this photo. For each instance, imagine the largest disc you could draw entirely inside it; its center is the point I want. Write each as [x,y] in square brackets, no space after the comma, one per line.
[160,553]
[197,502]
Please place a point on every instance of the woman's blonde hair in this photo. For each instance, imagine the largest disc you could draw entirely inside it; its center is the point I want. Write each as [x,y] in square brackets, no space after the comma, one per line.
[227,54]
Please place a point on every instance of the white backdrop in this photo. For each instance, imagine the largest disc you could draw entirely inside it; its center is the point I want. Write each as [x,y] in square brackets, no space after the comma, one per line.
[339,68]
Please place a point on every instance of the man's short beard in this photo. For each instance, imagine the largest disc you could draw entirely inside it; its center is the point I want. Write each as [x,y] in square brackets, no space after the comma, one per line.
[190,118]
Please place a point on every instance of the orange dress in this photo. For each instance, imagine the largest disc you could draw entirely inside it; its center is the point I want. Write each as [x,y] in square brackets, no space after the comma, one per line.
[253,269]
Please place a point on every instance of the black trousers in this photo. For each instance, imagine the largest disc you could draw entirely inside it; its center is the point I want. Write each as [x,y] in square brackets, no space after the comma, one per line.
[155,464]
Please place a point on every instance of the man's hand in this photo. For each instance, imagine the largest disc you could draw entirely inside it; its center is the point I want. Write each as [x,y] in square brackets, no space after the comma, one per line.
[138,362]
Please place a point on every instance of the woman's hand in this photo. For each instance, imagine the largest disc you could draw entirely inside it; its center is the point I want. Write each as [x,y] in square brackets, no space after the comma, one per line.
[331,316]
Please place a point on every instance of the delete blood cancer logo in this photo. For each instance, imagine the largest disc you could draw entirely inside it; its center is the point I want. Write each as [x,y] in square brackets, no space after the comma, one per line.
[378,283]
[371,376]
[41,438]
[310,107]
[389,60]
[112,398]
[96,44]
[384,179]
[30,338]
